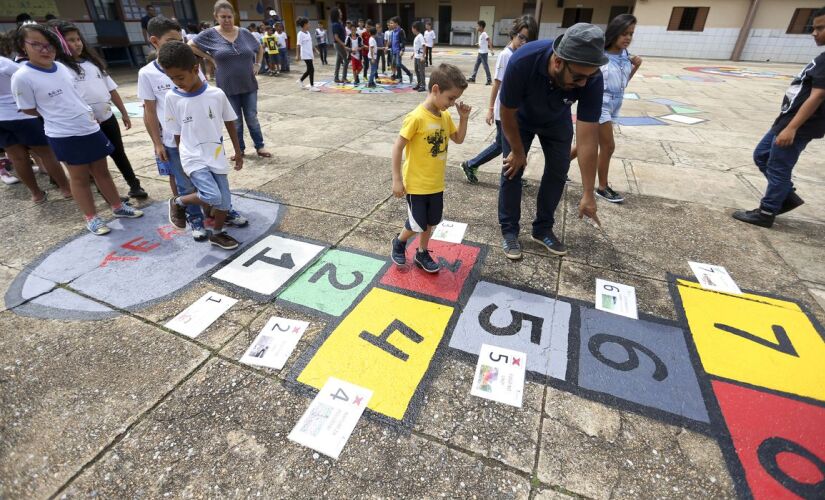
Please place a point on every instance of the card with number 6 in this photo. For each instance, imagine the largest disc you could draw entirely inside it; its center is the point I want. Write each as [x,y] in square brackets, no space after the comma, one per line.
[500,375]
[331,417]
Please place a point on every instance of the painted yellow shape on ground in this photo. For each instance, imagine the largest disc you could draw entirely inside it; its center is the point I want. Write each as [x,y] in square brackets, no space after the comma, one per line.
[721,324]
[346,355]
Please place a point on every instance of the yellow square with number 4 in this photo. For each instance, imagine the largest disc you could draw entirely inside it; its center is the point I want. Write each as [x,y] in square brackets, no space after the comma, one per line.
[757,340]
[386,345]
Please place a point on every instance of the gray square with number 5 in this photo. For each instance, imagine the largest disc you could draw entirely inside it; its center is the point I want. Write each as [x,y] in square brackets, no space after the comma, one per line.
[514,319]
[639,361]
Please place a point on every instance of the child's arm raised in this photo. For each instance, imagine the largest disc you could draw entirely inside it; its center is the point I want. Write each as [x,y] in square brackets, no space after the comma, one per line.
[236,145]
[118,102]
[397,181]
[464,116]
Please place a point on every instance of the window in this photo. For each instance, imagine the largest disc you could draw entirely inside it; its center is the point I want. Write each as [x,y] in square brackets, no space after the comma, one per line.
[618,10]
[688,19]
[573,16]
[801,22]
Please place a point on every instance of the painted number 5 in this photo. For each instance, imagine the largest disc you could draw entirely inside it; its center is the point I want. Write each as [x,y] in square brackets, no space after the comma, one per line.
[631,348]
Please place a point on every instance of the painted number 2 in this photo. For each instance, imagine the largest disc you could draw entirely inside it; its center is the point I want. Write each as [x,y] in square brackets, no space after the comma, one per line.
[631,348]
[332,272]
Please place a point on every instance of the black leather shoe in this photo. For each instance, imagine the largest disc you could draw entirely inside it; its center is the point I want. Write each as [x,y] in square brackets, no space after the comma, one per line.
[792,201]
[757,217]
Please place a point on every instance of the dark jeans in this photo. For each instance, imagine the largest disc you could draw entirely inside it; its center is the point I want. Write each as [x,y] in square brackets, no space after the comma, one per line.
[556,147]
[283,53]
[777,164]
[490,152]
[420,77]
[322,50]
[310,72]
[481,59]
[383,58]
[111,129]
[366,62]
[373,72]
[399,66]
[341,59]
[246,107]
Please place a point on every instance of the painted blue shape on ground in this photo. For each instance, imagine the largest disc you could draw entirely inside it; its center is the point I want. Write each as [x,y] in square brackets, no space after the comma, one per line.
[639,121]
[668,102]
[609,337]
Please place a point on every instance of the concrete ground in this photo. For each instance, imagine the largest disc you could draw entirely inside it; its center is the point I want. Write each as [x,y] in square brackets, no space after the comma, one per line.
[124,407]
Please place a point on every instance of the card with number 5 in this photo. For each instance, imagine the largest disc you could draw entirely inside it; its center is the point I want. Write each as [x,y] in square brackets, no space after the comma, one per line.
[331,417]
[500,375]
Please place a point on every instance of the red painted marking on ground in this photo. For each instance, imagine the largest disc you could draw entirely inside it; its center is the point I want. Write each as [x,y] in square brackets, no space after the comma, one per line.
[113,257]
[169,231]
[143,246]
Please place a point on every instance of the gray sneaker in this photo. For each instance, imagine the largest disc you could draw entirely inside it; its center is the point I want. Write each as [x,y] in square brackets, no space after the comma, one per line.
[551,243]
[608,194]
[511,246]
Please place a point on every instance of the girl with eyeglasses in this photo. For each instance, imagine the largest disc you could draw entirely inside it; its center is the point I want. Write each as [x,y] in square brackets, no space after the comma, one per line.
[45,88]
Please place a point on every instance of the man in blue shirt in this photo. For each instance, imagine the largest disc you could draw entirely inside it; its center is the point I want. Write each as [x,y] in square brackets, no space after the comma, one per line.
[397,48]
[339,36]
[544,78]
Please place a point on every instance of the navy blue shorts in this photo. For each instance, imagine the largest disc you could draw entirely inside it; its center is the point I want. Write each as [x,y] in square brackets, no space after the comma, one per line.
[80,150]
[424,210]
[28,132]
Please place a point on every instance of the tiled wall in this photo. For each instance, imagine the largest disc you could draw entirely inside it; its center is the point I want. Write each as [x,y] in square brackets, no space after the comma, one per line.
[713,43]
[776,45]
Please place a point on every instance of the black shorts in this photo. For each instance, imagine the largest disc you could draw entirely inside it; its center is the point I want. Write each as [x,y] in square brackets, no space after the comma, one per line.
[424,210]
[28,132]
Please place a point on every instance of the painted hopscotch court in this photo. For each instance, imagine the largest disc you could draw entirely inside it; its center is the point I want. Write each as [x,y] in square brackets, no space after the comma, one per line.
[746,369]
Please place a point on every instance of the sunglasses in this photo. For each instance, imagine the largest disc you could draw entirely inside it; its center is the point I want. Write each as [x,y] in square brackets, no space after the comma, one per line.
[40,47]
[577,77]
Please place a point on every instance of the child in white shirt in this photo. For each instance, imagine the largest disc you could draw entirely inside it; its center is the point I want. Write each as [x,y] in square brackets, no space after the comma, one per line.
[429,43]
[304,51]
[194,112]
[372,53]
[418,55]
[282,38]
[484,46]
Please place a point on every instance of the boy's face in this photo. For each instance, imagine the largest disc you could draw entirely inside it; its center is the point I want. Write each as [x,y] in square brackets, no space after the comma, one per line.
[819,30]
[169,36]
[391,25]
[447,98]
[378,27]
[480,28]
[429,27]
[184,79]
[520,38]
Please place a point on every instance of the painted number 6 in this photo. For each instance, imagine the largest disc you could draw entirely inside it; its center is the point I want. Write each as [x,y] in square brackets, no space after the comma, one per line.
[631,347]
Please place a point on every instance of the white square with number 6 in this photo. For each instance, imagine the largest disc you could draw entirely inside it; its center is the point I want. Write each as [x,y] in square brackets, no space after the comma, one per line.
[331,417]
[500,375]
[616,298]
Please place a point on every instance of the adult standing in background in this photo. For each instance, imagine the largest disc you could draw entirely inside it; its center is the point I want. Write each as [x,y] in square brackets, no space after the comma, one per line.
[144,21]
[236,55]
[339,36]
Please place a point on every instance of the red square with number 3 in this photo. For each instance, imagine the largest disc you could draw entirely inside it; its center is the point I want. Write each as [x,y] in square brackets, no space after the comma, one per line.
[456,261]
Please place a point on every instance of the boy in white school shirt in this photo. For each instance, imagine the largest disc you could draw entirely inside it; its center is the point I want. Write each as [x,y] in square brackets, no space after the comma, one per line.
[196,114]
[484,47]
[429,43]
[418,55]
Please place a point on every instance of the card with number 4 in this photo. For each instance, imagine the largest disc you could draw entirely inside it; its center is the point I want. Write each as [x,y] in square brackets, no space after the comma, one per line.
[272,347]
[500,375]
[331,417]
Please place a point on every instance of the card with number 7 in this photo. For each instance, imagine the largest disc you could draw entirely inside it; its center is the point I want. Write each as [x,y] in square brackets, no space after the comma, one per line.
[500,375]
[331,417]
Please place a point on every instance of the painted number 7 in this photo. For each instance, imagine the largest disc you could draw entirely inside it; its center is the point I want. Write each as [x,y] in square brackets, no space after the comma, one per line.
[631,348]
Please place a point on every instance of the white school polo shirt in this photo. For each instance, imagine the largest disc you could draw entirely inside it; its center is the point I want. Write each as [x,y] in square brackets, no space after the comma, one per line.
[8,107]
[95,88]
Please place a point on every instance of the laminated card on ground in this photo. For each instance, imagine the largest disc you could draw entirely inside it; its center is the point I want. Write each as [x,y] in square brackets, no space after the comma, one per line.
[276,341]
[331,417]
[203,312]
[616,298]
[450,231]
[500,375]
[714,278]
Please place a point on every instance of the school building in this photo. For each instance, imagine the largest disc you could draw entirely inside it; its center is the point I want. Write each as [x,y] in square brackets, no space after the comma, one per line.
[748,30]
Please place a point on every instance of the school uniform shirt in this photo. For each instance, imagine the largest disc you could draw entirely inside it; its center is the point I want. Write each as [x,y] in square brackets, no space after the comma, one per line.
[483,43]
[359,31]
[616,73]
[373,49]
[8,107]
[425,156]
[52,93]
[811,77]
[388,37]
[418,46]
[198,118]
[542,107]
[501,68]
[305,42]
[271,44]
[321,36]
[282,37]
[153,85]
[95,88]
[258,36]
[429,38]
[348,32]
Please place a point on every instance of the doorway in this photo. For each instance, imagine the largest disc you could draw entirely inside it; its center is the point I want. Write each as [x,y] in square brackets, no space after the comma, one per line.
[487,13]
[407,16]
[445,23]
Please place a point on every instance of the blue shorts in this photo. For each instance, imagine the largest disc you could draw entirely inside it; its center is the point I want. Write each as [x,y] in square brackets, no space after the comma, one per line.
[424,210]
[213,189]
[28,132]
[610,108]
[83,149]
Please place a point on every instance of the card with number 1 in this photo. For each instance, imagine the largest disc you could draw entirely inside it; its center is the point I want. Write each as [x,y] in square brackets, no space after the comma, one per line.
[331,417]
[500,375]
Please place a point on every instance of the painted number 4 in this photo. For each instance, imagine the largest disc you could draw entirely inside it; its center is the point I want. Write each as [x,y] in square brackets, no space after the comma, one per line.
[341,395]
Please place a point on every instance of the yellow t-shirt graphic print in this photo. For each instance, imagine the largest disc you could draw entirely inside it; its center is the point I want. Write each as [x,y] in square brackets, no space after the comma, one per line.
[425,157]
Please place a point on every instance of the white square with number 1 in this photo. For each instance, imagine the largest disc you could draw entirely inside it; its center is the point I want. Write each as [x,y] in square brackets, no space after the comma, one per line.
[449,231]
[331,417]
[714,278]
[616,298]
[203,312]
[500,375]
[276,341]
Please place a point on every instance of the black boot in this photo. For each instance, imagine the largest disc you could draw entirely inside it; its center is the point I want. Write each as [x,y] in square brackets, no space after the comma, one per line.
[792,201]
[757,217]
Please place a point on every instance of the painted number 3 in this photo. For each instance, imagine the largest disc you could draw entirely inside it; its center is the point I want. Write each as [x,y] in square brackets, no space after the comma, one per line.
[631,348]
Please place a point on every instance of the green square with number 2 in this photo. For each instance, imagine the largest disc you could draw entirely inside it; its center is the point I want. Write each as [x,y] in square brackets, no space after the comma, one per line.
[333,283]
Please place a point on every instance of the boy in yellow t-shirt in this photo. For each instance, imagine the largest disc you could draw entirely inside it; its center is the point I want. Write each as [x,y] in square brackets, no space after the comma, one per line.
[270,43]
[423,139]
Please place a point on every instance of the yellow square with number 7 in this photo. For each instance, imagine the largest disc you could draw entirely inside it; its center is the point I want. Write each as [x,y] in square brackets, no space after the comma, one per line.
[757,340]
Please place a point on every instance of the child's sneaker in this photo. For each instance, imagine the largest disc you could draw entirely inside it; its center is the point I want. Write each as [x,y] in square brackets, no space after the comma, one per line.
[177,214]
[470,172]
[128,212]
[314,89]
[223,240]
[608,194]
[198,230]
[7,177]
[96,226]
[233,218]
[425,262]
[300,84]
[399,251]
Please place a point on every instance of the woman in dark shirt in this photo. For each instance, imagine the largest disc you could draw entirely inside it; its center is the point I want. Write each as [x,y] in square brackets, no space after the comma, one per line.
[237,56]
